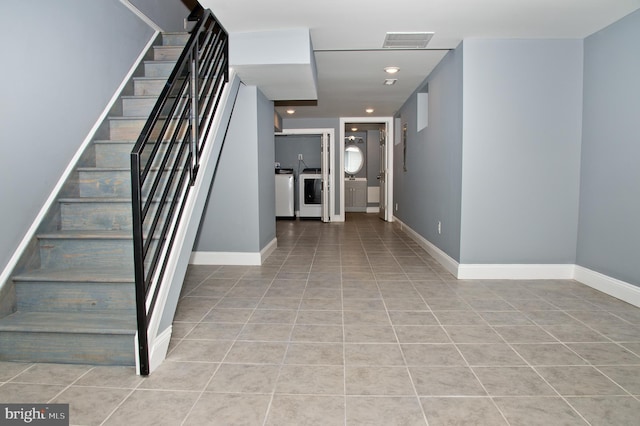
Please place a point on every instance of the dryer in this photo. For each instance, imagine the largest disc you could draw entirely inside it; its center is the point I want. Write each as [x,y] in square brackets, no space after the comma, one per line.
[310,192]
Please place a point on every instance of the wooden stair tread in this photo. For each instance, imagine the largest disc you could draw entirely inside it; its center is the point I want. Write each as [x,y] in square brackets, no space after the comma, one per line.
[88,234]
[68,322]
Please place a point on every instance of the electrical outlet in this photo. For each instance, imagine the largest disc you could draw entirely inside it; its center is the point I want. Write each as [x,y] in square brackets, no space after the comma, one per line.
[300,157]
[439,227]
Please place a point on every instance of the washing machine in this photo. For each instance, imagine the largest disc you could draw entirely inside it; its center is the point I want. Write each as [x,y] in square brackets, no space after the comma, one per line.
[284,193]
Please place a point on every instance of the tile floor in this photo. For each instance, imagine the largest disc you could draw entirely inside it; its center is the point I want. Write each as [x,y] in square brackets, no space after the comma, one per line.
[354,324]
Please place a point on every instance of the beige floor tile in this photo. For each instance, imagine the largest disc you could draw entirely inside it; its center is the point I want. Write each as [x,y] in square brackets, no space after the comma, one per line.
[384,411]
[537,411]
[421,334]
[244,378]
[472,334]
[317,333]
[266,332]
[445,381]
[153,407]
[311,379]
[512,381]
[462,411]
[370,354]
[548,354]
[226,409]
[605,353]
[626,376]
[91,406]
[432,355]
[315,354]
[490,354]
[369,334]
[378,381]
[295,410]
[172,375]
[579,381]
[22,392]
[256,353]
[607,410]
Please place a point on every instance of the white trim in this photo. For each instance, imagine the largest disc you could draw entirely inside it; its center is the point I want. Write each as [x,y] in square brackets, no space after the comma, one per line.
[373,209]
[159,348]
[31,232]
[611,286]
[389,134]
[515,271]
[141,15]
[332,162]
[232,258]
[449,263]
[178,260]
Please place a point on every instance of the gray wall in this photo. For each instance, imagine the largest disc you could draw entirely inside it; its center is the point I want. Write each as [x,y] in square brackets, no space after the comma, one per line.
[609,230]
[266,181]
[521,151]
[58,75]
[373,157]
[242,197]
[167,14]
[430,190]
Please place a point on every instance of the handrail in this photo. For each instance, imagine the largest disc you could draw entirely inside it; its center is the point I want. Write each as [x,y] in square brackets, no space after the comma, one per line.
[166,157]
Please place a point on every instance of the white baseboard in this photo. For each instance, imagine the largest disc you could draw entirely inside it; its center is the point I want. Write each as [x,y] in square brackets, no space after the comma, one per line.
[31,232]
[233,258]
[158,351]
[441,257]
[373,209]
[613,287]
[606,284]
[515,271]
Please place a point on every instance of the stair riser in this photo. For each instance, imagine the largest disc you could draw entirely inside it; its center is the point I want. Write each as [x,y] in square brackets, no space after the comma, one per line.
[60,253]
[76,297]
[126,129]
[68,348]
[138,107]
[129,129]
[148,87]
[175,39]
[108,183]
[167,53]
[118,155]
[158,69]
[98,216]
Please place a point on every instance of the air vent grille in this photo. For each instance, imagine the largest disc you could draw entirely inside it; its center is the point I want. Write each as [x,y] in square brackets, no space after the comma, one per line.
[406,40]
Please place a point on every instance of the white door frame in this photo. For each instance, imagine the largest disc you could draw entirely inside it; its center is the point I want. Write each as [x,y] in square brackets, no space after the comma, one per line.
[323,133]
[388,121]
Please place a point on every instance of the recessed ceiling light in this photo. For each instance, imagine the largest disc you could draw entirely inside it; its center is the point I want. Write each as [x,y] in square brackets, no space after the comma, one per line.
[369,110]
[291,111]
[354,129]
[391,70]
[390,81]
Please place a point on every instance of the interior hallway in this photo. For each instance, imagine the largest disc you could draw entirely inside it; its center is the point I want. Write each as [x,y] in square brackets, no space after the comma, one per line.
[353,324]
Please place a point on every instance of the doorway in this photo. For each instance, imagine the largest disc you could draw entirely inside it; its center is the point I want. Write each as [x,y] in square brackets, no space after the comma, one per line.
[378,179]
[320,180]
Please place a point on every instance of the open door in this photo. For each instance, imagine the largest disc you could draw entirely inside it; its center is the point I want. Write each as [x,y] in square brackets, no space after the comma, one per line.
[382,176]
[326,182]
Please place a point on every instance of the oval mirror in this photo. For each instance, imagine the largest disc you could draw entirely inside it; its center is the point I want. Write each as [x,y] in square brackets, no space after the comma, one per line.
[353,159]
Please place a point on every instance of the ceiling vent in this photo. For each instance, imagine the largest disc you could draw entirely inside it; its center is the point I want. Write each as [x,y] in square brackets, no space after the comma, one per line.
[406,40]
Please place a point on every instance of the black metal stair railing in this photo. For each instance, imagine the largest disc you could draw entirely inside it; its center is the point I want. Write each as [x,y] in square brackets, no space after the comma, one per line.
[166,158]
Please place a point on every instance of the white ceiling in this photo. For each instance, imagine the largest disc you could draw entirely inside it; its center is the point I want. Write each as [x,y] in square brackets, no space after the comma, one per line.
[347,37]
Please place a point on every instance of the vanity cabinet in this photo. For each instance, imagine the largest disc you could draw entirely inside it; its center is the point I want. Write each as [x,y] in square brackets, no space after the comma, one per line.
[355,195]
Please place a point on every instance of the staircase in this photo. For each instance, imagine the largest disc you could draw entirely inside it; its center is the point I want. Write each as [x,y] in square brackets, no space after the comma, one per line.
[75,298]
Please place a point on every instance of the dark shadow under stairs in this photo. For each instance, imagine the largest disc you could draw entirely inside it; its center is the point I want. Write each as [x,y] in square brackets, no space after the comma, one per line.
[76,302]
